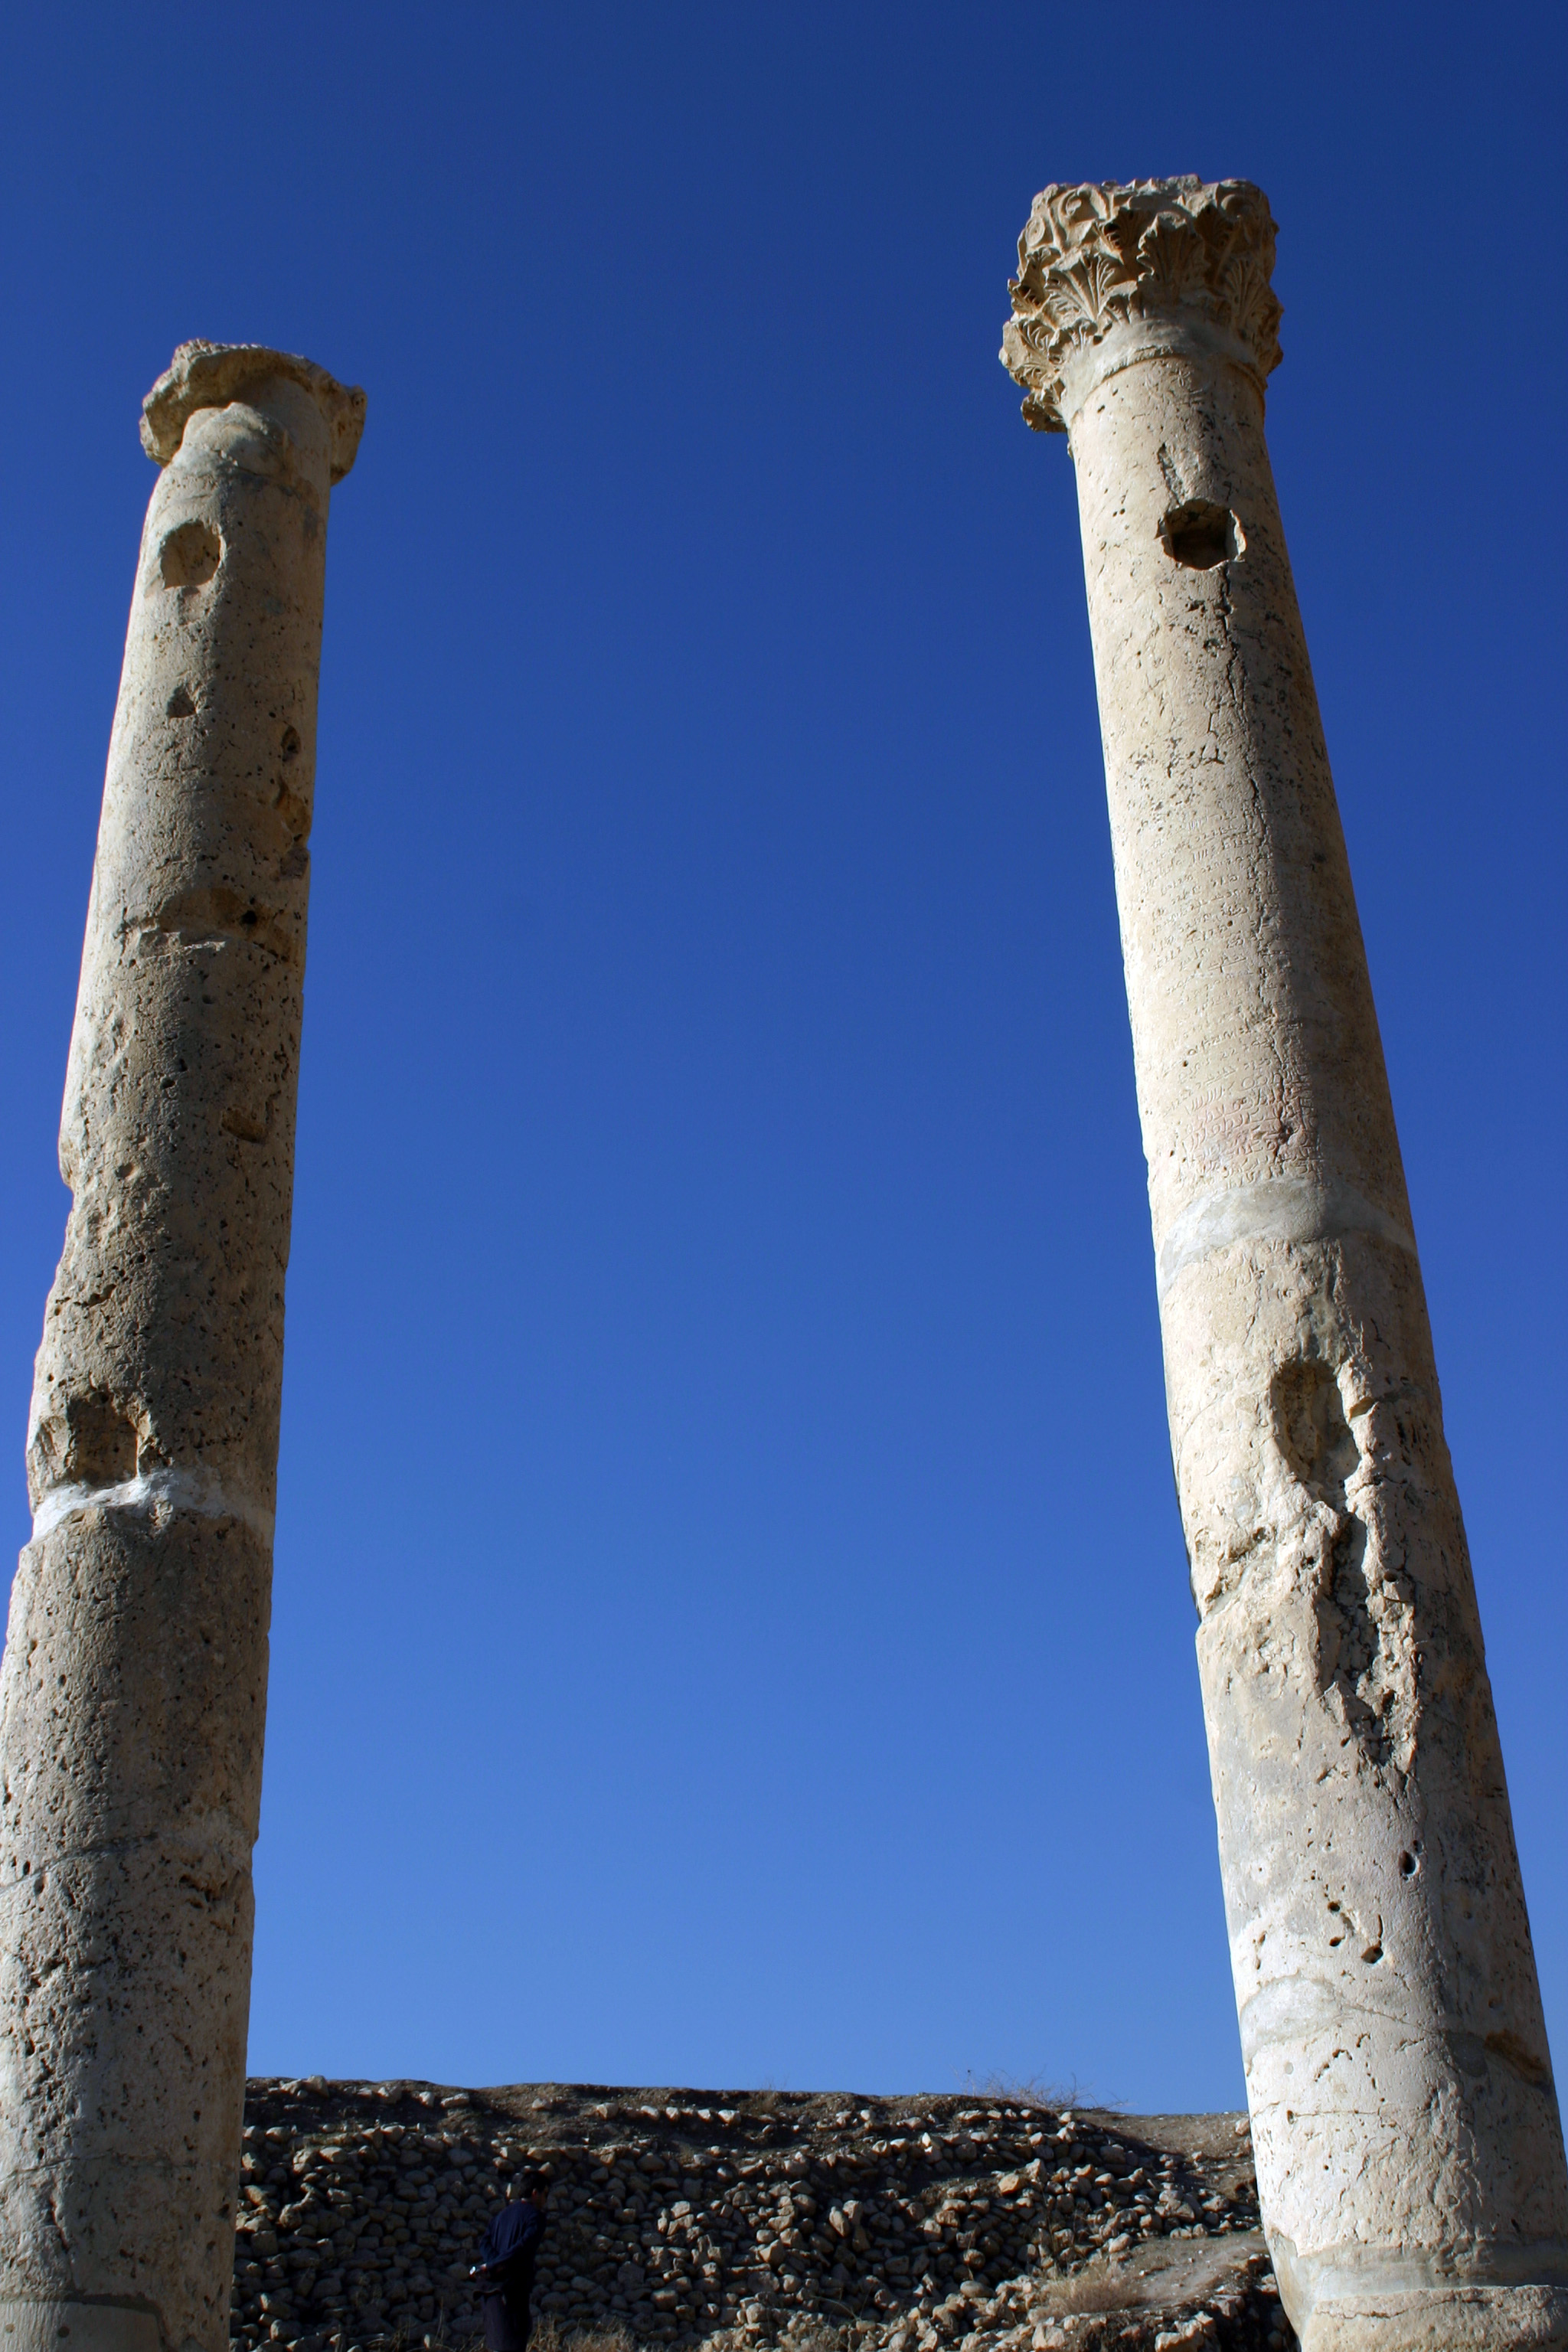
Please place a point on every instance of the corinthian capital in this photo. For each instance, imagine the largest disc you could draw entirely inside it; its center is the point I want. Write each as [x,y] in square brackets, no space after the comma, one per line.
[1111,274]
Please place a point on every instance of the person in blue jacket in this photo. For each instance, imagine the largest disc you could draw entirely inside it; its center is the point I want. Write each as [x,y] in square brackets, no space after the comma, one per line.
[504,2270]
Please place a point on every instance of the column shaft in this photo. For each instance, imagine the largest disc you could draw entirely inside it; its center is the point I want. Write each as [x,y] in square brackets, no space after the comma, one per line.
[133,1694]
[1409,2151]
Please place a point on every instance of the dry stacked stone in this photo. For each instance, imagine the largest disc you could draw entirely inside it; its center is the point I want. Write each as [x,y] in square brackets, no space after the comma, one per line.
[744,2220]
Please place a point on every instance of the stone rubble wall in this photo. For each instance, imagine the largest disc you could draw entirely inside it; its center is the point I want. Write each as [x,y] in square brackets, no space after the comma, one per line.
[736,2220]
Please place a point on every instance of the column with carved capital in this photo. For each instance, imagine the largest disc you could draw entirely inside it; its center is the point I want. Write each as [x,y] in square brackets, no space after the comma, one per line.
[1410,2155]
[134,1688]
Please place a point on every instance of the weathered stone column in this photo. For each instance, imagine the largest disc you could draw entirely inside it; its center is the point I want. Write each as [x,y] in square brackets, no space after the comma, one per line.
[134,1686]
[1409,2153]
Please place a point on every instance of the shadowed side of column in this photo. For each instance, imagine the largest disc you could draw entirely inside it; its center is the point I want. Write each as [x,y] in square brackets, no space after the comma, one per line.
[133,1695]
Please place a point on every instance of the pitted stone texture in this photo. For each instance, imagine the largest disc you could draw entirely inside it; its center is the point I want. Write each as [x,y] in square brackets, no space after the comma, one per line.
[210,375]
[1409,2151]
[133,1695]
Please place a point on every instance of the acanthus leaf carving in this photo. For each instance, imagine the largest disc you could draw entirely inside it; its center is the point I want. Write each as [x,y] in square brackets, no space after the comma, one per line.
[1092,259]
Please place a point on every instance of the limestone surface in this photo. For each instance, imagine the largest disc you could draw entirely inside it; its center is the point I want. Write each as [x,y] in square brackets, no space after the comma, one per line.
[134,1684]
[1409,2147]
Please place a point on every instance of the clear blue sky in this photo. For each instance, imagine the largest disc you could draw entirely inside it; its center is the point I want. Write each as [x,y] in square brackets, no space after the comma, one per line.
[730,1616]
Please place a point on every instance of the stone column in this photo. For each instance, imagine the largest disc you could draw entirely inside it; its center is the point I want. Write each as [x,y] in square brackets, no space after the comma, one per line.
[134,1685]
[1409,2152]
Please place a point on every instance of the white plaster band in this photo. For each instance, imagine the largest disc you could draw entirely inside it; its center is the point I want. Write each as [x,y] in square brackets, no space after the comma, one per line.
[1182,336]
[177,1490]
[76,2328]
[1276,1209]
[1353,2274]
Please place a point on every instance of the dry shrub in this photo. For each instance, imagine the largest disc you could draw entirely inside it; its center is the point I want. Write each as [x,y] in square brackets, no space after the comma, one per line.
[1037,2091]
[1095,2294]
[610,2337]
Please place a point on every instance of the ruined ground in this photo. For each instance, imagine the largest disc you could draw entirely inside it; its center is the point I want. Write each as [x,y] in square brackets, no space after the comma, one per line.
[732,2220]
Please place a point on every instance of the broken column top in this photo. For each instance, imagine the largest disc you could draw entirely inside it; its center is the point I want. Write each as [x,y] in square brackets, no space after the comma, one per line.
[209,376]
[1118,272]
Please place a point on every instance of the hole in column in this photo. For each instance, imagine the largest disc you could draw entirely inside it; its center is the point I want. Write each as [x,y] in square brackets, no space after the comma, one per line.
[1362,1650]
[293,810]
[291,804]
[1517,2054]
[180,705]
[89,1441]
[1201,536]
[189,555]
[1312,1432]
